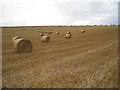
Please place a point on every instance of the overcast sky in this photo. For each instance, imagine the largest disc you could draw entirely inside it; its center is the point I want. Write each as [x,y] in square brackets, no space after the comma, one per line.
[58,12]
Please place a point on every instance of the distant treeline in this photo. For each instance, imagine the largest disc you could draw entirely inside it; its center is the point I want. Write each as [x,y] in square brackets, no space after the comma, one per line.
[56,26]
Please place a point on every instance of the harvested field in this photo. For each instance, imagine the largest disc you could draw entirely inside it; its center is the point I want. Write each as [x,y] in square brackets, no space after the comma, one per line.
[86,60]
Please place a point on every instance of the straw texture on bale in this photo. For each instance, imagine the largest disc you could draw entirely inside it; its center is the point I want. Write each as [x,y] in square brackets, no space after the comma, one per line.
[45,38]
[68,36]
[82,31]
[22,46]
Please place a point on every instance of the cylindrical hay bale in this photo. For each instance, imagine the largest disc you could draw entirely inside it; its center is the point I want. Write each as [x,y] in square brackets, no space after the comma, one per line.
[14,38]
[41,34]
[68,32]
[22,46]
[50,32]
[45,38]
[57,33]
[82,31]
[68,36]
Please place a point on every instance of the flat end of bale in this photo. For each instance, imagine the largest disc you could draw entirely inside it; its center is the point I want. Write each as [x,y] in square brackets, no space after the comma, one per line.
[14,38]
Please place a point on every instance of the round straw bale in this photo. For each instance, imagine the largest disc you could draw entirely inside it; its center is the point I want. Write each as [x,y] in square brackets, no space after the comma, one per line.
[68,32]
[57,33]
[41,34]
[68,36]
[82,31]
[22,46]
[45,38]
[50,32]
[14,38]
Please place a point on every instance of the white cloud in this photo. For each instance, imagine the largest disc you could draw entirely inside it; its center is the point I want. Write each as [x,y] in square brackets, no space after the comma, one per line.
[90,12]
[57,12]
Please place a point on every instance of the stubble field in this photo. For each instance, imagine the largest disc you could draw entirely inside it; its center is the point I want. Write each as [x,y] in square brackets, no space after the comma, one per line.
[87,60]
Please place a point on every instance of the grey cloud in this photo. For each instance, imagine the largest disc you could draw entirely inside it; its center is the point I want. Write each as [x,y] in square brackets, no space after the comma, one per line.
[70,11]
[119,13]
[87,10]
